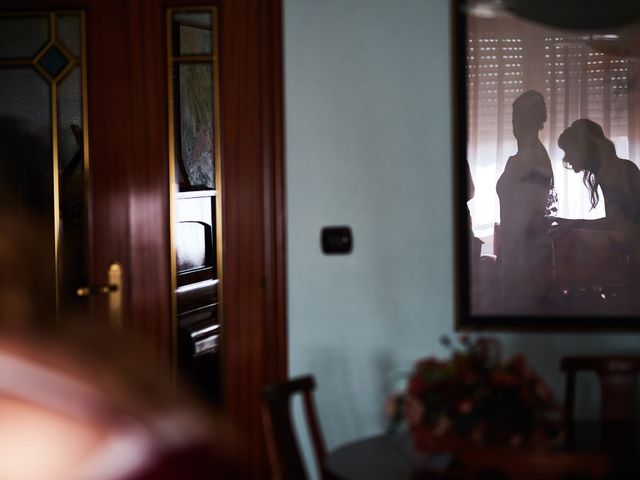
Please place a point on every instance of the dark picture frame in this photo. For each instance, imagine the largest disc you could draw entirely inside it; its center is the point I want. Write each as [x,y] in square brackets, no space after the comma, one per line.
[531,250]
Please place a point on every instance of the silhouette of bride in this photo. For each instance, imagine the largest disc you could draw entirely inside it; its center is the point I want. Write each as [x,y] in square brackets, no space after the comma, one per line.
[526,194]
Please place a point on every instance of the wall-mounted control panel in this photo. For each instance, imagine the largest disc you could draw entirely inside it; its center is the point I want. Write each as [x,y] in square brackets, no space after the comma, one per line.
[336,240]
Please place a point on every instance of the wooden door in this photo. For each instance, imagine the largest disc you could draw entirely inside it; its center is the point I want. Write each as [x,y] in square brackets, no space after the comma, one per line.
[129,180]
[128,191]
[97,66]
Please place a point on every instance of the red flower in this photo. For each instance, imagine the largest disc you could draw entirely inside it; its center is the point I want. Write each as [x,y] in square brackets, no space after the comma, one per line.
[428,363]
[467,396]
[544,392]
[417,385]
[504,379]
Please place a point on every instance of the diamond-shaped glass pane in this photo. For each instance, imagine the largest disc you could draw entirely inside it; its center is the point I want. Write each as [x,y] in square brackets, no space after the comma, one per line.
[53,61]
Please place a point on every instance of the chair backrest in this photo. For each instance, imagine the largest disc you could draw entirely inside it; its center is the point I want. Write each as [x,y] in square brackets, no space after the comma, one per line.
[617,375]
[522,464]
[284,453]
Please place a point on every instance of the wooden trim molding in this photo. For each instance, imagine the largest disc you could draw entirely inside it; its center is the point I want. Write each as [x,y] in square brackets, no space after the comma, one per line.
[274,180]
[254,345]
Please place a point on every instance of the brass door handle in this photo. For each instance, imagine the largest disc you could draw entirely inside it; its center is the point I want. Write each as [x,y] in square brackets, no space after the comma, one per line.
[95,290]
[114,290]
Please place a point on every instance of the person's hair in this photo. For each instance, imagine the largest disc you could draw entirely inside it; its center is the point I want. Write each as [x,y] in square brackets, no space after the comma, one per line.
[588,138]
[531,108]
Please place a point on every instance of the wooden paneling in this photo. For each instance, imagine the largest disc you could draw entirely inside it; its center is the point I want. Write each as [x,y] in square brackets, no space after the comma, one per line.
[128,158]
[148,200]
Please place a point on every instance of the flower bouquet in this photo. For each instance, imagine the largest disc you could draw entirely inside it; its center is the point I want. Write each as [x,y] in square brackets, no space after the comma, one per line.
[477,397]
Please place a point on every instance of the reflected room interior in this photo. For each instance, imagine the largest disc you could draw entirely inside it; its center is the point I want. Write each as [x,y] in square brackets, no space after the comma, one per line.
[551,237]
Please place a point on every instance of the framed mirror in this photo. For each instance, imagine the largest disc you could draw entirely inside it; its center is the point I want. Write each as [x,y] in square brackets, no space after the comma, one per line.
[547,187]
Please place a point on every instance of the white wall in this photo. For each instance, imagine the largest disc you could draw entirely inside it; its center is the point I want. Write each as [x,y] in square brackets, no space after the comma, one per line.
[368,95]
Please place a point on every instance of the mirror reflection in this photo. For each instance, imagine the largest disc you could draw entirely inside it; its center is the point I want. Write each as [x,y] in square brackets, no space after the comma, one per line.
[553,187]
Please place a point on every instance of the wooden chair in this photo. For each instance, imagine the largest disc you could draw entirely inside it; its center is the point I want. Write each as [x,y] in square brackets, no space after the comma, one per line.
[618,376]
[284,453]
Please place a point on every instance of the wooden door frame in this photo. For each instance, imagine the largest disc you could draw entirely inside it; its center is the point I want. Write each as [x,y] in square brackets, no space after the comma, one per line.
[254,338]
[254,330]
[134,192]
[254,284]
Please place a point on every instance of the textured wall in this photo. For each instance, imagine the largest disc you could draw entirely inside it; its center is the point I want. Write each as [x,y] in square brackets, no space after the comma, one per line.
[368,97]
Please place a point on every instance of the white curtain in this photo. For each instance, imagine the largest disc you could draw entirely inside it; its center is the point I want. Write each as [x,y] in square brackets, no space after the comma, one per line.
[506,57]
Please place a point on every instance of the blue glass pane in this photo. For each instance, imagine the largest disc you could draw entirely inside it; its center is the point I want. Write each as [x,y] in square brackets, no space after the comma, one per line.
[53,62]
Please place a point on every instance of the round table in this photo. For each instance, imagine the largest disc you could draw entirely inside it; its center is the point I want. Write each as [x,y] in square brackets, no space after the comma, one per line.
[384,457]
[392,457]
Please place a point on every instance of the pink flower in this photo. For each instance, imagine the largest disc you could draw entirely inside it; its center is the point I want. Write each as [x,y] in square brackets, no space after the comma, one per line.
[392,405]
[413,410]
[465,406]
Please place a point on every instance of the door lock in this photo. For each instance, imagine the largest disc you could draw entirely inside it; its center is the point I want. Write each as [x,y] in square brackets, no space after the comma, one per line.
[114,289]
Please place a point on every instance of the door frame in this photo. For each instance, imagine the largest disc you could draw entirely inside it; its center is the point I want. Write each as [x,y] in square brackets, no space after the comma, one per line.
[254,291]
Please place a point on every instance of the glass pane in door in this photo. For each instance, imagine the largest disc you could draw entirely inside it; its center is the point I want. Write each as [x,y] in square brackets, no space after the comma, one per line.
[195,171]
[42,152]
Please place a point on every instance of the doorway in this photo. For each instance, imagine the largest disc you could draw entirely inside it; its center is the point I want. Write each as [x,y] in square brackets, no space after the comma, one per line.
[124,141]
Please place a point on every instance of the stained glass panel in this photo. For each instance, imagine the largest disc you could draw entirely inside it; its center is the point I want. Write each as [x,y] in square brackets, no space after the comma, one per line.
[53,61]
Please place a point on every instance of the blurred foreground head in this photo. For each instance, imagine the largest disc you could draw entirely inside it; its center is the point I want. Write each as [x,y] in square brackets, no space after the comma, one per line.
[77,409]
[77,402]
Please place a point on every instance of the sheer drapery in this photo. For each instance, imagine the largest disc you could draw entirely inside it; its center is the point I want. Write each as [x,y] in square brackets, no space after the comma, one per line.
[506,57]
